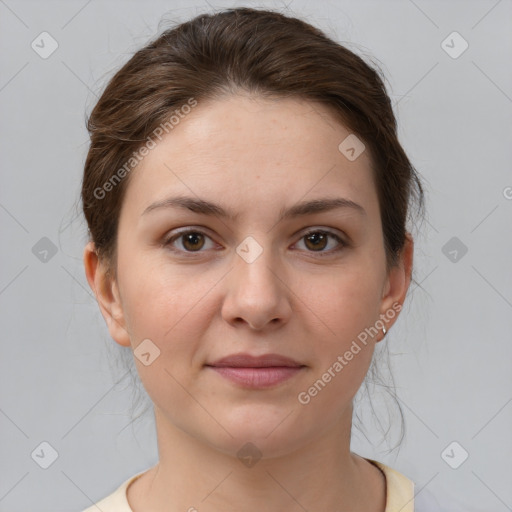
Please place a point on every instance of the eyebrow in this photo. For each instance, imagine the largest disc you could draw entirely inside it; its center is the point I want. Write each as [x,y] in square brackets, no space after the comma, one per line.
[204,207]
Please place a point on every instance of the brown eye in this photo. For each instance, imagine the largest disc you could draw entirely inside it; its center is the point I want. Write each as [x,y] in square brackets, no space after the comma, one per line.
[194,241]
[191,241]
[318,240]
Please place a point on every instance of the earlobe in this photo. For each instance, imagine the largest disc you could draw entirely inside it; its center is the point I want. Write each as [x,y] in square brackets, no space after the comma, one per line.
[107,295]
[397,284]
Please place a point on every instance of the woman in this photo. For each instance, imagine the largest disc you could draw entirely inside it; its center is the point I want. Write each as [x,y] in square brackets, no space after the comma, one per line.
[246,197]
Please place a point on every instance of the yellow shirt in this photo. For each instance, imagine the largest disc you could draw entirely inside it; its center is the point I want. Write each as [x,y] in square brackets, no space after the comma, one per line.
[399,493]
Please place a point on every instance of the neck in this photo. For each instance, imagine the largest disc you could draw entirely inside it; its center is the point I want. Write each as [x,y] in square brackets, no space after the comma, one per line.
[193,476]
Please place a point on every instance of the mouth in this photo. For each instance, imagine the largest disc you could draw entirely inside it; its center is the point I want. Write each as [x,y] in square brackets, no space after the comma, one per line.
[256,372]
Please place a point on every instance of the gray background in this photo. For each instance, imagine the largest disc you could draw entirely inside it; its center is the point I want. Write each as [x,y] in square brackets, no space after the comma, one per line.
[60,381]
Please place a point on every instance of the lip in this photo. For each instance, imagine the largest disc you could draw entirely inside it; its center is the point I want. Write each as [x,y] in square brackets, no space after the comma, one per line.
[249,361]
[256,371]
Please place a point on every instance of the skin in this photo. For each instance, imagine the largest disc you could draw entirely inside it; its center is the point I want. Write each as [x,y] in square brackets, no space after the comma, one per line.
[253,156]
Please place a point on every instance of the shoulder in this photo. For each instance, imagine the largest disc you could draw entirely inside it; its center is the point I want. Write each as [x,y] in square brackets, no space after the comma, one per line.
[399,489]
[117,501]
[402,495]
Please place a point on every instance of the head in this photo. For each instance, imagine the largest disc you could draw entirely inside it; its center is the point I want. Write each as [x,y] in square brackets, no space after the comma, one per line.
[246,192]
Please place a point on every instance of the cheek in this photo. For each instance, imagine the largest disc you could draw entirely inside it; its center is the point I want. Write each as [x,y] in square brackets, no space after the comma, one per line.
[346,302]
[346,307]
[167,307]
[344,345]
[171,305]
[160,300]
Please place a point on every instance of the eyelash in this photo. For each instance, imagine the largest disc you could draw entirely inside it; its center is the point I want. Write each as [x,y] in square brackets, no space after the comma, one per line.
[168,241]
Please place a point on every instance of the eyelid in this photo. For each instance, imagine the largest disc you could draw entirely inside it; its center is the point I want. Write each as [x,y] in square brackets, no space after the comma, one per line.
[342,243]
[170,238]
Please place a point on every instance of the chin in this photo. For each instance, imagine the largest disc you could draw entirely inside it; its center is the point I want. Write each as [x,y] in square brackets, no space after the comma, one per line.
[270,431]
[249,448]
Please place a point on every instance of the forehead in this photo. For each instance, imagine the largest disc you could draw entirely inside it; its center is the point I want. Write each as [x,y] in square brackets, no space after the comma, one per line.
[259,151]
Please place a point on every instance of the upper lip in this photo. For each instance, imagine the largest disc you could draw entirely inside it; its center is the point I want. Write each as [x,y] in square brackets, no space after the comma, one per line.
[249,361]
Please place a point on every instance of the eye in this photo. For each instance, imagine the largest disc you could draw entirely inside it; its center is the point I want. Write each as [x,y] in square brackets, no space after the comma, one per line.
[192,240]
[318,240]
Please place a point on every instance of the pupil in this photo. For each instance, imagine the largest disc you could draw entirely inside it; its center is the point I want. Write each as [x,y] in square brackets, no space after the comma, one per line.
[192,239]
[317,237]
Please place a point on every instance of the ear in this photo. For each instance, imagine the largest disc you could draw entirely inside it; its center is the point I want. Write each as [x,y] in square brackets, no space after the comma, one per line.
[106,290]
[396,285]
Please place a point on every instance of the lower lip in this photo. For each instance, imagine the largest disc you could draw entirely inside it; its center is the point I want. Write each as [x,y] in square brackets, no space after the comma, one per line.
[258,377]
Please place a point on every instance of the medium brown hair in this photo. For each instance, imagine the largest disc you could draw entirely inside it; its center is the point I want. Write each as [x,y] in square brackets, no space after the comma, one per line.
[264,53]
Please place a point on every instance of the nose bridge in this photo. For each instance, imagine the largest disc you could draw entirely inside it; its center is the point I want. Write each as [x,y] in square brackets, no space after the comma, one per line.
[255,291]
[256,262]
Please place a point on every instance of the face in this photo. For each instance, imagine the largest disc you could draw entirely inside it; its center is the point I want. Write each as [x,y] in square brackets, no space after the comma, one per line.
[257,274]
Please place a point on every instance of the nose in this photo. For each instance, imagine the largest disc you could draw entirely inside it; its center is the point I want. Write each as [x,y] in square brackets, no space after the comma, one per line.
[257,293]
